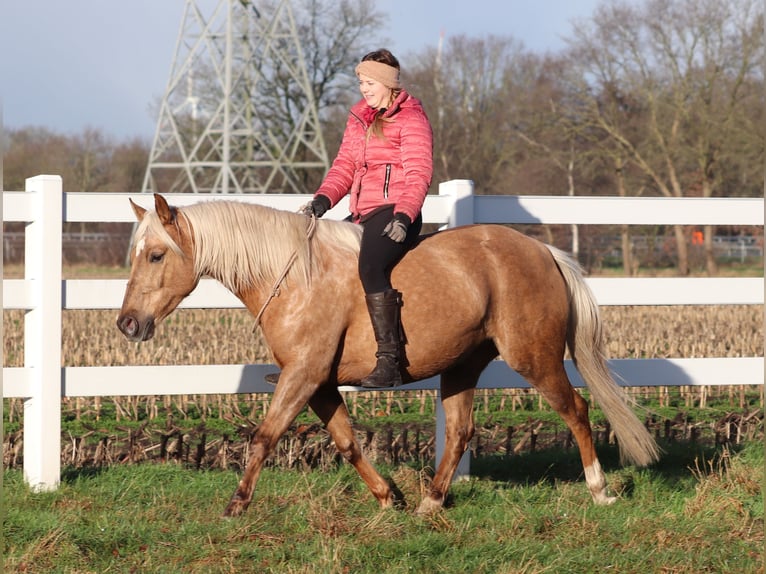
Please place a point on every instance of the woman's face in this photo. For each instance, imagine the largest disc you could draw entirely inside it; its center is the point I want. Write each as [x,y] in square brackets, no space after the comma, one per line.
[375,94]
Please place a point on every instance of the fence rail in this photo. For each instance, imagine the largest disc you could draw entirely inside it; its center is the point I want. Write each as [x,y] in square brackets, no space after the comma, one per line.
[43,294]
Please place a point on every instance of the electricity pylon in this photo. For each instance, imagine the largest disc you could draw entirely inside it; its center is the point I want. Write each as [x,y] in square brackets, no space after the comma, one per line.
[238,114]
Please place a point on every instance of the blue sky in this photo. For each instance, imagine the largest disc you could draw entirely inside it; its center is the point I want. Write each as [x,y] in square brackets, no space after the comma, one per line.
[67,65]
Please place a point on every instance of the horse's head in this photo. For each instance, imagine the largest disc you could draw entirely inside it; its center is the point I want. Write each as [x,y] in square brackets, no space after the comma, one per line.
[161,269]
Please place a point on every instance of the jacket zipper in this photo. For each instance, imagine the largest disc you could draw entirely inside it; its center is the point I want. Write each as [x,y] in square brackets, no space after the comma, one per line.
[385,184]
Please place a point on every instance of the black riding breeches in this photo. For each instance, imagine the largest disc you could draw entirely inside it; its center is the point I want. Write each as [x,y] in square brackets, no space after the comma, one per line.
[379,253]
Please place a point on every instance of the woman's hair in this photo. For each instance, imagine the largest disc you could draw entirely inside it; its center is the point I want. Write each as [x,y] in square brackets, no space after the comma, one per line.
[384,57]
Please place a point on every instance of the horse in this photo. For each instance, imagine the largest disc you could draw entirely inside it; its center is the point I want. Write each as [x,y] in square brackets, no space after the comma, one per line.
[469,294]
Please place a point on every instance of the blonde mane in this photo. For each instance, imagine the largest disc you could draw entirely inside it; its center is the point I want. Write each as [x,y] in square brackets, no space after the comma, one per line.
[245,245]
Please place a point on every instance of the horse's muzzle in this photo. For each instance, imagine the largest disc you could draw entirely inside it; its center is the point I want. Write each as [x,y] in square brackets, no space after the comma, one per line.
[134,330]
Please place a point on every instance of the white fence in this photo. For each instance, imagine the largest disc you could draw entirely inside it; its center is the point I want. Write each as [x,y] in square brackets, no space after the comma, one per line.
[43,294]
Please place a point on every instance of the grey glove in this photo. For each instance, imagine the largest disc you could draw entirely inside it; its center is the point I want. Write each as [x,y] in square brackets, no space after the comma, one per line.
[397,227]
[317,206]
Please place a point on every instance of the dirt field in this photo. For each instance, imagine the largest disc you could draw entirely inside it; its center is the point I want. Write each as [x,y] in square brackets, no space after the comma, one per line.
[194,336]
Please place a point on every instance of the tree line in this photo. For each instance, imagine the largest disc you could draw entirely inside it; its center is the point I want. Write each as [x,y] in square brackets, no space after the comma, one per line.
[652,98]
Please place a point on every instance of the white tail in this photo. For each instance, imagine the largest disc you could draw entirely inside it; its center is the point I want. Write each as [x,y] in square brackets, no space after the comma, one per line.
[586,345]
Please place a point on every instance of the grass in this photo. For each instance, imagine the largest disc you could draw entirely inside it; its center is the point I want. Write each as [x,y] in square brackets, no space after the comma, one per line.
[696,511]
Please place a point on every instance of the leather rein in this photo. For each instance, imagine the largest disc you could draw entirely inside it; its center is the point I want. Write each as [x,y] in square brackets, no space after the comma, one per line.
[275,288]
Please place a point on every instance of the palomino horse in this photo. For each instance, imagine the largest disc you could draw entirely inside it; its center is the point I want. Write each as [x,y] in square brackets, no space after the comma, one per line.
[469,294]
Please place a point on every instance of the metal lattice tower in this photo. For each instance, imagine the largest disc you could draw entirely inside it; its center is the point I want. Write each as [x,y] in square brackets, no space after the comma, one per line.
[238,114]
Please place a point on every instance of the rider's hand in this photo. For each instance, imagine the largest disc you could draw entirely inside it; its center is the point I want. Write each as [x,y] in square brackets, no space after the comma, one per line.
[317,206]
[396,229]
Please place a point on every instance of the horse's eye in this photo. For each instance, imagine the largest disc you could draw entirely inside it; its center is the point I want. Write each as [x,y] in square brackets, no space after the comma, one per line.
[156,257]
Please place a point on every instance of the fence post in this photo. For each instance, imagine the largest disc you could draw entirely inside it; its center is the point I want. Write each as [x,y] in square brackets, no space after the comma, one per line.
[461,191]
[42,334]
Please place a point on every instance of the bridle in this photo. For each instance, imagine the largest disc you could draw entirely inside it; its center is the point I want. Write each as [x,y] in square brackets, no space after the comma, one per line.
[275,288]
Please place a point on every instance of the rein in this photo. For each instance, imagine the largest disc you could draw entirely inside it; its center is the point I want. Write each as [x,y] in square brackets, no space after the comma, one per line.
[275,288]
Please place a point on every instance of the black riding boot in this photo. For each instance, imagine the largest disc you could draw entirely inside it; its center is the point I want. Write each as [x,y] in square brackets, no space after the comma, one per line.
[384,312]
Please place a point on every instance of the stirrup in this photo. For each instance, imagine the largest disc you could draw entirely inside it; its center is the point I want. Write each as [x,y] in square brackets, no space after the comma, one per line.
[364,383]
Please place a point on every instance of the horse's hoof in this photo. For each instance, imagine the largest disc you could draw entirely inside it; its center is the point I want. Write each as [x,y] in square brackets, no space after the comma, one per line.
[231,512]
[236,507]
[605,500]
[386,503]
[428,507]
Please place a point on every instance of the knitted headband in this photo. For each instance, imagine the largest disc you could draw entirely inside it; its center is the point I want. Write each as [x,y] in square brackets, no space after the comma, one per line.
[383,73]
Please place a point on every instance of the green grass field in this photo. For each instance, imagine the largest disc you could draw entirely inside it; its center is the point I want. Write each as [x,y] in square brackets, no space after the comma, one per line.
[695,511]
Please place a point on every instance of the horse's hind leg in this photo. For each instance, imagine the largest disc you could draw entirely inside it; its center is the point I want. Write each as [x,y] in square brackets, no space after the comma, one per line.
[551,380]
[329,406]
[457,388]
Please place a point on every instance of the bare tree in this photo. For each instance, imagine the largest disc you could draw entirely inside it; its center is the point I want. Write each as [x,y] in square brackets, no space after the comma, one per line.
[334,37]
[464,89]
[127,166]
[35,150]
[687,70]
[90,155]
[540,119]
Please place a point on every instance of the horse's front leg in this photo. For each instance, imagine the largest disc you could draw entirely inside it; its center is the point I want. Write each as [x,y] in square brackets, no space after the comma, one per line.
[291,395]
[328,404]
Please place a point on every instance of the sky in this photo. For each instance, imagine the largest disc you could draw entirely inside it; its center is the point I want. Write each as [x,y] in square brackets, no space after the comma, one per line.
[76,64]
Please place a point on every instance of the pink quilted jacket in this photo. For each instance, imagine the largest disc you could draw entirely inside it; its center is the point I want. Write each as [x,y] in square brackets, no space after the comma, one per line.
[396,170]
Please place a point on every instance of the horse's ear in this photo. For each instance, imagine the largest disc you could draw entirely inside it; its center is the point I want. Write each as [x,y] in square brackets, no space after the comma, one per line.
[138,210]
[164,211]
